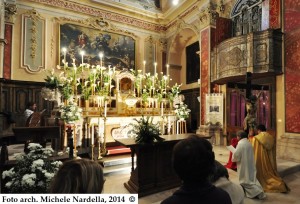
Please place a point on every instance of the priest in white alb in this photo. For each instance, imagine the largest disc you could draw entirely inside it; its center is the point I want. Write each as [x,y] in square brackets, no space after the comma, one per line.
[244,157]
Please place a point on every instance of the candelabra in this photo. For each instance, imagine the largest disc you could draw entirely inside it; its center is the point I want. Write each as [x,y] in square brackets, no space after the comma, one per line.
[93,146]
[70,141]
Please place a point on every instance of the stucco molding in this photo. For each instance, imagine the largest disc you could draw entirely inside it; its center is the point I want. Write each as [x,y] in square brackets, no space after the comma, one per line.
[208,15]
[33,41]
[87,10]
[10,12]
[97,23]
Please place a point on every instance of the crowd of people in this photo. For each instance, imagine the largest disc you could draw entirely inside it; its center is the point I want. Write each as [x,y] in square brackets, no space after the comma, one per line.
[207,181]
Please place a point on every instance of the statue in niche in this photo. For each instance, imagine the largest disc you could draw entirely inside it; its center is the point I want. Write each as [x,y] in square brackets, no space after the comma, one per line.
[255,20]
[245,21]
[125,85]
[237,22]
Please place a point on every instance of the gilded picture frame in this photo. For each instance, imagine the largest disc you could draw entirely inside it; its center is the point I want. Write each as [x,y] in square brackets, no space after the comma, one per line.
[118,49]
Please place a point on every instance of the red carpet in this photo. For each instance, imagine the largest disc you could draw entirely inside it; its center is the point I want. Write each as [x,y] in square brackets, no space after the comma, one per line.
[117,150]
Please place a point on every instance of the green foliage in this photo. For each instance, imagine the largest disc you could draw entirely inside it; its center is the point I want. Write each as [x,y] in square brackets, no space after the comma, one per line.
[146,131]
[66,91]
[175,90]
[86,91]
[51,81]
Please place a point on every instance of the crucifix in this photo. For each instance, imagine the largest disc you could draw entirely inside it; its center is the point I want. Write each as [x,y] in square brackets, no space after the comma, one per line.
[248,86]
[251,100]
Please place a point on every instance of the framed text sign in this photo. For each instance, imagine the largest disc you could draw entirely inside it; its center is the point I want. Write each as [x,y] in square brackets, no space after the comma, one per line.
[214,108]
[84,44]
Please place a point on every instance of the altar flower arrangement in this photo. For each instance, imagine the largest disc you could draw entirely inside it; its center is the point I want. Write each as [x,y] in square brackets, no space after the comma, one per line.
[52,81]
[145,131]
[70,113]
[33,171]
[174,92]
[182,111]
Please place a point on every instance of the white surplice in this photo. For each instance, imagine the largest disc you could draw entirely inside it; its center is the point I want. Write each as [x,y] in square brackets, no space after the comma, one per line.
[244,157]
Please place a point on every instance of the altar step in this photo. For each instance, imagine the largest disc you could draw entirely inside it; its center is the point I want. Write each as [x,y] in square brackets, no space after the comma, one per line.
[117,150]
[116,164]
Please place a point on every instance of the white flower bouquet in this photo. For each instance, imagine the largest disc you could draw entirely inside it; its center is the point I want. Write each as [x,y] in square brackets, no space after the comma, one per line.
[182,111]
[70,113]
[32,172]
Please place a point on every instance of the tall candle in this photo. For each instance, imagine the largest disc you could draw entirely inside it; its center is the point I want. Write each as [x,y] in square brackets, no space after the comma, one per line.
[65,53]
[155,64]
[154,52]
[144,67]
[82,53]
[168,69]
[101,56]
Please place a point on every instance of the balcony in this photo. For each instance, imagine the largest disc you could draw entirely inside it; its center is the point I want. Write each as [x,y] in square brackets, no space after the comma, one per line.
[259,53]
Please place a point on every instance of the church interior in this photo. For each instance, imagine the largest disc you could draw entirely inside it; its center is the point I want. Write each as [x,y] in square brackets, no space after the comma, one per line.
[95,67]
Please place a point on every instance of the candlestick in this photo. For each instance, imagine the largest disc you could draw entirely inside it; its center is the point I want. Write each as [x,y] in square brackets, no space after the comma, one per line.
[99,127]
[168,69]
[169,125]
[153,81]
[92,136]
[105,108]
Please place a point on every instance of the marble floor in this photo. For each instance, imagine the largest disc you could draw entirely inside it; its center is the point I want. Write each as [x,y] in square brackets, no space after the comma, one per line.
[290,171]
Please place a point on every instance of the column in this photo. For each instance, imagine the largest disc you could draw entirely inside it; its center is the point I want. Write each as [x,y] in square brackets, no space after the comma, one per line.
[2,40]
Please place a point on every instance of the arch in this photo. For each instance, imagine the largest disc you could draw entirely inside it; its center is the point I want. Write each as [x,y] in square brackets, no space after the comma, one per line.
[241,4]
[246,16]
[179,41]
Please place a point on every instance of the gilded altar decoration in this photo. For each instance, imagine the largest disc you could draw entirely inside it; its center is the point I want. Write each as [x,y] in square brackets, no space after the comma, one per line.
[102,95]
[127,92]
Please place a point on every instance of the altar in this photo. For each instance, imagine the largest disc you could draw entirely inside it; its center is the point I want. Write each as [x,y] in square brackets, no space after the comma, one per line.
[153,171]
[119,127]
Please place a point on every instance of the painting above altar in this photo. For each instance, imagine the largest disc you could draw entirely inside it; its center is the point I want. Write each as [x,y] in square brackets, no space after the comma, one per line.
[118,50]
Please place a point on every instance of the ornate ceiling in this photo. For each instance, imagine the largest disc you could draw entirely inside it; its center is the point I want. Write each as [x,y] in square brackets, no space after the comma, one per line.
[155,6]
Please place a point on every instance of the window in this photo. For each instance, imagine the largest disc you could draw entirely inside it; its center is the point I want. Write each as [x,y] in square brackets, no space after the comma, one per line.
[192,63]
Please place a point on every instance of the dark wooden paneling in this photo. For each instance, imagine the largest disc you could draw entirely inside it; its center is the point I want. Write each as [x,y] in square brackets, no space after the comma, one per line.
[193,104]
[14,97]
